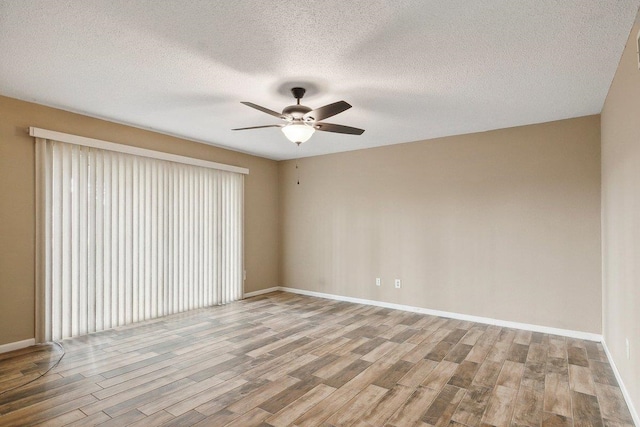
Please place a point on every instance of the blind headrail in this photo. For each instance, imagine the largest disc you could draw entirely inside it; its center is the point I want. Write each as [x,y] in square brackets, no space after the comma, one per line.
[128,149]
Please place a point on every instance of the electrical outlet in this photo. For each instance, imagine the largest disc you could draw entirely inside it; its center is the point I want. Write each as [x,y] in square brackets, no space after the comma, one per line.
[378,281]
[398,283]
[628,349]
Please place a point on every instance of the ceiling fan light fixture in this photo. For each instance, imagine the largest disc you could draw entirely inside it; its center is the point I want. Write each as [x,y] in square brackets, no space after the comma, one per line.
[298,132]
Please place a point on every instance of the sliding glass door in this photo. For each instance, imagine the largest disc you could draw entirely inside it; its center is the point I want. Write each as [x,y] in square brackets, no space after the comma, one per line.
[125,238]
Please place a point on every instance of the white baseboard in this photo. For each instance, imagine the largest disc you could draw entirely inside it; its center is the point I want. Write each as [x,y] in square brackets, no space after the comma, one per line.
[4,348]
[487,320]
[261,292]
[625,393]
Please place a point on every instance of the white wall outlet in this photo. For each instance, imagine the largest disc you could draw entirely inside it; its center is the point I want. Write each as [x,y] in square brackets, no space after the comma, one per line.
[378,281]
[628,349]
[398,283]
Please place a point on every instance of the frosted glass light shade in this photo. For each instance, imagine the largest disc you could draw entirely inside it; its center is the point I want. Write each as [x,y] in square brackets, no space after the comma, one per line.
[298,133]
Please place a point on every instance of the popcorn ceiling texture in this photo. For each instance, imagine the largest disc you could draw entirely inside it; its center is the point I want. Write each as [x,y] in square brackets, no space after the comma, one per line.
[412,70]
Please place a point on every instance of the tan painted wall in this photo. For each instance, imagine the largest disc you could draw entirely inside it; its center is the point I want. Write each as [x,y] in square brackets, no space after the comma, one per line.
[621,218]
[502,224]
[17,202]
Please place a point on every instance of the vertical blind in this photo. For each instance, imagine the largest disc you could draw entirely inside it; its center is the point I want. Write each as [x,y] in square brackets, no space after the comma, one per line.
[128,238]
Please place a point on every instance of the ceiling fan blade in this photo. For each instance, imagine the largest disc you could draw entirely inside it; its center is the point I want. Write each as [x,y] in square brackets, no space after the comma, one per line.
[327,111]
[330,127]
[260,127]
[263,109]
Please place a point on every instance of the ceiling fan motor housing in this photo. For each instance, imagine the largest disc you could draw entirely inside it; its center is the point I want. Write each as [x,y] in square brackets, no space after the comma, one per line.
[296,111]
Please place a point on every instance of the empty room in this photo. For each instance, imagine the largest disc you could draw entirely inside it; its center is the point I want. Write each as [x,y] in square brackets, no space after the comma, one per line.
[320,213]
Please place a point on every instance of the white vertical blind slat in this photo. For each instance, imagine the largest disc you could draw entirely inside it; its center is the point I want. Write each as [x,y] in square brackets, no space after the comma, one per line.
[202,234]
[181,236]
[135,247]
[106,236]
[152,240]
[91,215]
[67,249]
[58,246]
[100,215]
[127,238]
[48,274]
[121,240]
[188,238]
[206,276]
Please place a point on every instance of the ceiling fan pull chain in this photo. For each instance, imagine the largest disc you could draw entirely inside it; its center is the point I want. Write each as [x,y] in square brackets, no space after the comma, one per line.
[297,169]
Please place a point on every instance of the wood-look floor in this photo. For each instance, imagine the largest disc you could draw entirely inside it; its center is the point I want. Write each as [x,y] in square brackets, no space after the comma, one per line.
[283,359]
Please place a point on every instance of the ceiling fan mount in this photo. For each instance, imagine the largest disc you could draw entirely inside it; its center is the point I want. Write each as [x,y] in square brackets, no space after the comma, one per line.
[302,121]
[298,93]
[297,111]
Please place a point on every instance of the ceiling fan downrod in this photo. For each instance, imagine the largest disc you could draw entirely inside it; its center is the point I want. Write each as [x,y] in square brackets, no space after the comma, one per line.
[298,93]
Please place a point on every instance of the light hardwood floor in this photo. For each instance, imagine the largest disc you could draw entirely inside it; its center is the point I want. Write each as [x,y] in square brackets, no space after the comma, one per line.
[283,359]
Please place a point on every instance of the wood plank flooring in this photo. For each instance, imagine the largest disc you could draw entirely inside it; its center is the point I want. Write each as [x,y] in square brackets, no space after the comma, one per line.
[283,359]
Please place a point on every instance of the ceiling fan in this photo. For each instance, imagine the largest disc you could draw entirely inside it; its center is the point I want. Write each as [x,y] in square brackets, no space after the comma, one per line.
[302,121]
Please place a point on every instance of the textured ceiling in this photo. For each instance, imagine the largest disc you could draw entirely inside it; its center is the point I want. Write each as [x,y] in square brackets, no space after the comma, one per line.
[412,70]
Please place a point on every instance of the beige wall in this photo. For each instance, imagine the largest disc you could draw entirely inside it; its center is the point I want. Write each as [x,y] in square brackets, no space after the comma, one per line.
[502,224]
[17,199]
[621,218]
